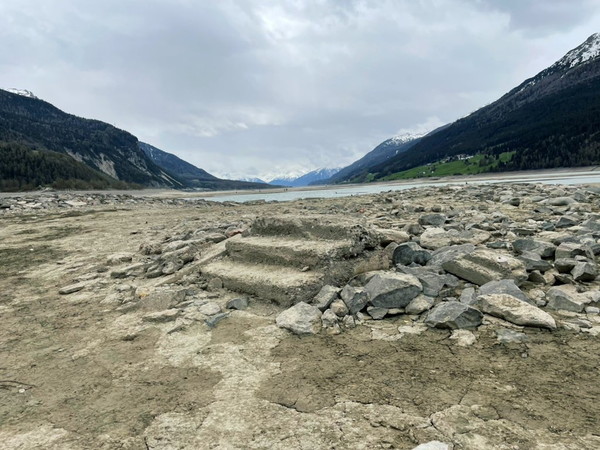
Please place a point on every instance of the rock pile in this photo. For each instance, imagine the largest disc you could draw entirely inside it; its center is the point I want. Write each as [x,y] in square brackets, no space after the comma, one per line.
[454,271]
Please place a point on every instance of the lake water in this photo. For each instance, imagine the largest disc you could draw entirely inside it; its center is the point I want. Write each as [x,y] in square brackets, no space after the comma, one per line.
[569,178]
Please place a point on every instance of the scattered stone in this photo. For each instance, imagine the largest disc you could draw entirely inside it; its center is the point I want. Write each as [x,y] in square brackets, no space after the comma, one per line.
[542,248]
[387,236]
[565,265]
[409,253]
[449,253]
[240,303]
[483,266]
[431,281]
[119,258]
[506,336]
[570,250]
[566,222]
[215,284]
[453,315]
[349,322]
[72,288]
[339,308]
[468,296]
[393,290]
[377,313]
[463,338]
[504,287]
[516,311]
[301,319]
[436,220]
[354,298]
[566,298]
[584,271]
[209,309]
[436,238]
[433,445]
[213,321]
[561,201]
[162,316]
[533,261]
[325,297]
[329,319]
[419,305]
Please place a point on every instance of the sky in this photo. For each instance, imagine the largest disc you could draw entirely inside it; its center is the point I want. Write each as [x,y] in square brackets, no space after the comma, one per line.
[245,88]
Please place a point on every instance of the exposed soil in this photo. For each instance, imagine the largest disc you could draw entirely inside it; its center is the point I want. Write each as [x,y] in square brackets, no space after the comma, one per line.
[84,370]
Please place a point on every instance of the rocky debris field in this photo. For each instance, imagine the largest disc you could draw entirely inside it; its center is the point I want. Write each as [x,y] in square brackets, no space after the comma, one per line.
[462,317]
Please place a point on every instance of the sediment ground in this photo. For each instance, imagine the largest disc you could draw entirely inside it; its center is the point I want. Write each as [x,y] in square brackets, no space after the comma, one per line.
[115,334]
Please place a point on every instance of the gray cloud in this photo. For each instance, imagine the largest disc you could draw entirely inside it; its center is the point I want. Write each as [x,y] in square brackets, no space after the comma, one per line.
[253,87]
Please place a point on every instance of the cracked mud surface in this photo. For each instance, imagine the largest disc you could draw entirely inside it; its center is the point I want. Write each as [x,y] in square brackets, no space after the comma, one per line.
[77,371]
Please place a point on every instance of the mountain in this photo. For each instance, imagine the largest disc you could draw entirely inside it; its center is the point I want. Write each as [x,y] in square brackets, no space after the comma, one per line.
[254,180]
[192,176]
[306,179]
[358,171]
[36,125]
[549,120]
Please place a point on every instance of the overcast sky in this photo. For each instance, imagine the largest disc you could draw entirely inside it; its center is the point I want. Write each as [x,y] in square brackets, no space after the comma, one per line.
[259,87]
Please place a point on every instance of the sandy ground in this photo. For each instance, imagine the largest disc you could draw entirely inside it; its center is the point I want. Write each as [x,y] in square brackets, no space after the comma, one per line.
[81,371]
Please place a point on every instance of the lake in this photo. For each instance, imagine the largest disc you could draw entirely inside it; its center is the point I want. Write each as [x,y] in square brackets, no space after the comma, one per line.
[546,177]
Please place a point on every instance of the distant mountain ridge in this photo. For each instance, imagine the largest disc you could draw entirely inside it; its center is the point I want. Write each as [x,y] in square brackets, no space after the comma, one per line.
[307,179]
[549,120]
[38,125]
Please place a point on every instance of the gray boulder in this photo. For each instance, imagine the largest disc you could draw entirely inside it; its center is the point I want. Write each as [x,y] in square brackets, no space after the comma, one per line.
[431,281]
[377,313]
[571,250]
[449,253]
[453,315]
[566,298]
[419,305]
[354,298]
[392,290]
[410,252]
[339,308]
[561,201]
[325,297]
[542,248]
[239,303]
[516,311]
[565,265]
[433,219]
[504,287]
[301,319]
[584,271]
[483,266]
[436,238]
[533,261]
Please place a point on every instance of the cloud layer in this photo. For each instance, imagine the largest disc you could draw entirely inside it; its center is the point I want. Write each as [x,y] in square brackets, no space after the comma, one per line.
[253,87]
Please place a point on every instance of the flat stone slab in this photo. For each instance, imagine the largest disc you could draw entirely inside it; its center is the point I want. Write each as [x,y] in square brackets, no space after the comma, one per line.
[301,319]
[392,290]
[453,315]
[72,288]
[516,311]
[483,266]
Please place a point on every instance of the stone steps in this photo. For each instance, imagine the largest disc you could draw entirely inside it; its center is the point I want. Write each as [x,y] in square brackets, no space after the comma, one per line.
[287,260]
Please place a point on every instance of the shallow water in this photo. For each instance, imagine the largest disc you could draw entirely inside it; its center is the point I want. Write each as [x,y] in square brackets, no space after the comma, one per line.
[568,178]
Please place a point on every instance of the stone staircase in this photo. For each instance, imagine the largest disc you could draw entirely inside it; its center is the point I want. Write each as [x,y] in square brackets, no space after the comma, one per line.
[287,260]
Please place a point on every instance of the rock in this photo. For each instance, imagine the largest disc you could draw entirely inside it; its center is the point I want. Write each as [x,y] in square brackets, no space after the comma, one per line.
[516,311]
[392,290]
[209,309]
[419,305]
[433,445]
[214,284]
[463,338]
[592,310]
[542,248]
[410,252]
[119,258]
[162,316]
[325,297]
[584,271]
[431,281]
[349,322]
[301,319]
[570,250]
[533,261]
[453,315]
[72,288]
[506,336]
[377,313]
[566,222]
[449,253]
[237,303]
[387,236]
[433,219]
[354,298]
[565,265]
[213,321]
[129,271]
[329,319]
[436,238]
[339,308]
[467,296]
[504,287]
[566,298]
[483,266]
[561,201]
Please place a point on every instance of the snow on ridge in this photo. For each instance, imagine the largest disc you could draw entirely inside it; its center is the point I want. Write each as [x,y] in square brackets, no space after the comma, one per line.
[23,92]
[405,137]
[590,49]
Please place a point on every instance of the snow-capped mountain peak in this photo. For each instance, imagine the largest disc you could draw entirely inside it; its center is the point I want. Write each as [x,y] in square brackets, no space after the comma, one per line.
[590,49]
[404,138]
[23,92]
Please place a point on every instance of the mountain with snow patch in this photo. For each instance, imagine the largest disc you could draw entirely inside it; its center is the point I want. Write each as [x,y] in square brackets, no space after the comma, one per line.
[22,92]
